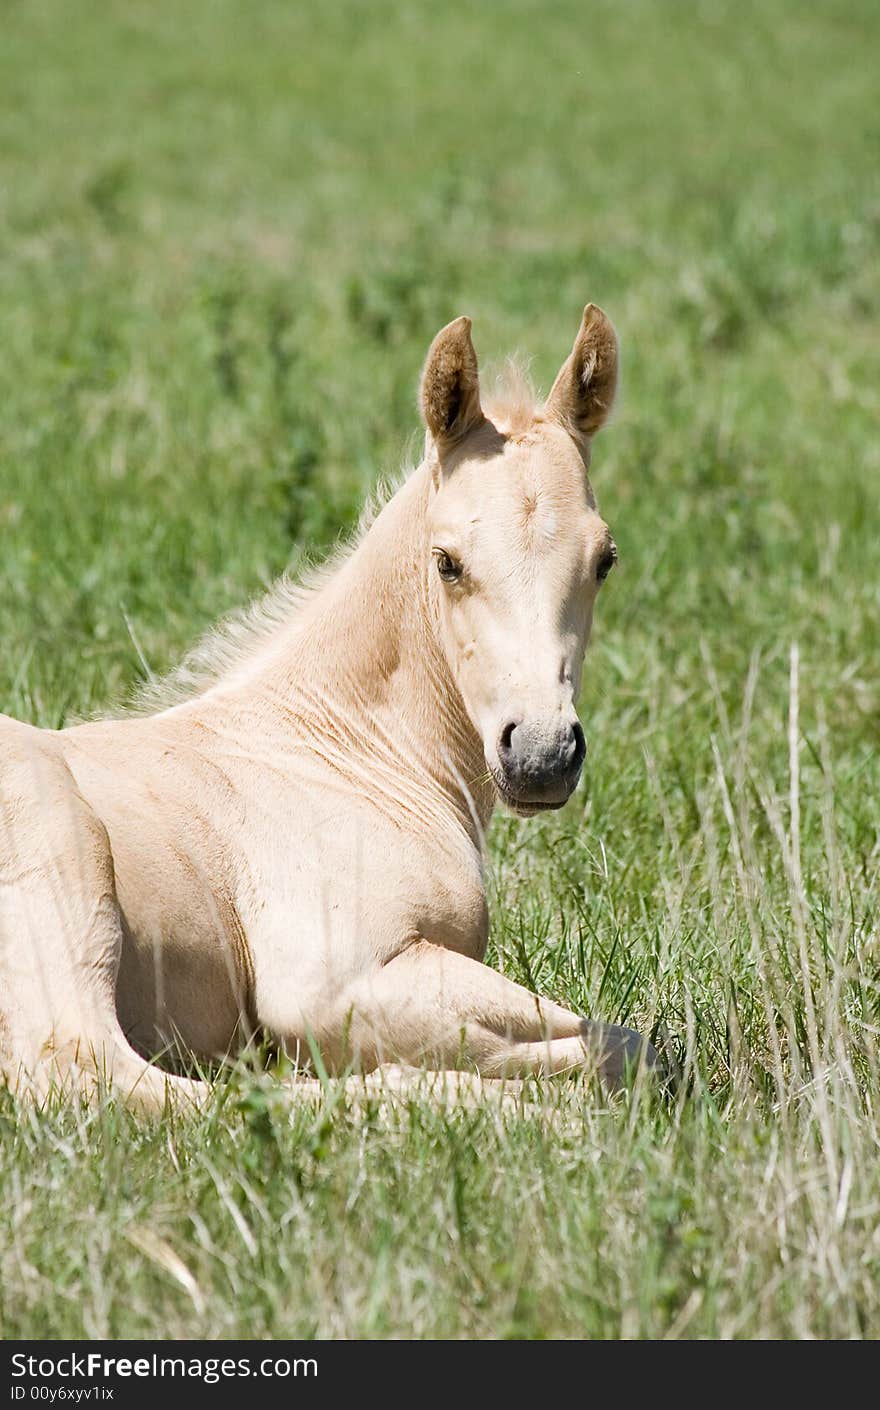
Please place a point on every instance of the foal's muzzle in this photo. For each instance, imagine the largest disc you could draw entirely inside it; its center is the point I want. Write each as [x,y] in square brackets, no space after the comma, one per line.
[540,762]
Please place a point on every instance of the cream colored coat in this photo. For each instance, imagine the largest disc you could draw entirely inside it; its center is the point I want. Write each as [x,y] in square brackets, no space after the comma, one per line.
[295,846]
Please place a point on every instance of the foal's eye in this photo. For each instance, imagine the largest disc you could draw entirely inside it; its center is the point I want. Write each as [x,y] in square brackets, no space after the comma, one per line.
[449,570]
[606,562]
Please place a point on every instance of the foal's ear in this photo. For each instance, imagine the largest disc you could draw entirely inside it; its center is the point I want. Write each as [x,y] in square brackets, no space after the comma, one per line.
[580,398]
[450,391]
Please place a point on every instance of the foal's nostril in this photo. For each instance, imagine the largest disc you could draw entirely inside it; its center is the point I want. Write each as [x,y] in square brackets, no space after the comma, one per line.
[579,745]
[505,741]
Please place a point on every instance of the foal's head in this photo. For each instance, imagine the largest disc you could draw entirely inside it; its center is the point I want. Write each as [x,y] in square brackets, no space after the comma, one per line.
[519,553]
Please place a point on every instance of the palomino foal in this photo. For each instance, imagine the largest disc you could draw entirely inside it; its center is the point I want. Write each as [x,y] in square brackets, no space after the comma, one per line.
[294,846]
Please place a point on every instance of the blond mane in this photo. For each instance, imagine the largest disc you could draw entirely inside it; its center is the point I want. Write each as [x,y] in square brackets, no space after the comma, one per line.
[238,636]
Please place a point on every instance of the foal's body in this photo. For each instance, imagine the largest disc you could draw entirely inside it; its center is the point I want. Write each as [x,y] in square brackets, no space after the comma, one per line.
[297,848]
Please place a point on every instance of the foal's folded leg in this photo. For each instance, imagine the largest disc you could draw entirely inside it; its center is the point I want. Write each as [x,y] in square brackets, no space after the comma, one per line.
[435,1007]
[60,941]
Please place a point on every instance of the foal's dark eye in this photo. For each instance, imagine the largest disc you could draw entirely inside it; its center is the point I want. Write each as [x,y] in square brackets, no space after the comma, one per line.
[606,562]
[449,570]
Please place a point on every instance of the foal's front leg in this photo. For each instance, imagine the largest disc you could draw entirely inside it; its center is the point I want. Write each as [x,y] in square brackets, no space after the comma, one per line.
[435,1007]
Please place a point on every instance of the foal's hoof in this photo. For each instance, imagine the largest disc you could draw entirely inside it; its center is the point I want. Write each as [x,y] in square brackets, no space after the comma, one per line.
[619,1053]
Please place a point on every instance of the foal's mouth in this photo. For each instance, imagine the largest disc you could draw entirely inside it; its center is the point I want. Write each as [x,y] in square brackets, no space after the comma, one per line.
[526,807]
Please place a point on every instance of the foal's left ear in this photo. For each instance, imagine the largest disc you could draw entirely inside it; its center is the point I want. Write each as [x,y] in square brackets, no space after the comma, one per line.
[581,397]
[450,392]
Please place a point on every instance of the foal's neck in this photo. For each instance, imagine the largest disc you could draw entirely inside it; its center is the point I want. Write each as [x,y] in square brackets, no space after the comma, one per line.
[364,676]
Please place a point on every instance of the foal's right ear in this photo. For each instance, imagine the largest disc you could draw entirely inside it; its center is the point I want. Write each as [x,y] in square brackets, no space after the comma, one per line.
[450,390]
[580,398]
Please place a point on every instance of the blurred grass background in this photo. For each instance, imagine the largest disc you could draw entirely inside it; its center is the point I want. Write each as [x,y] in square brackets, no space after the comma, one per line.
[227,236]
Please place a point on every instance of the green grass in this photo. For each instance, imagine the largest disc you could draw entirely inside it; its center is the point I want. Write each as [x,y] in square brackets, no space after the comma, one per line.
[227,234]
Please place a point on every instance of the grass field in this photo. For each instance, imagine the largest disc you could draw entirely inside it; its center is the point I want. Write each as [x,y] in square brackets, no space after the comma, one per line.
[227,235]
